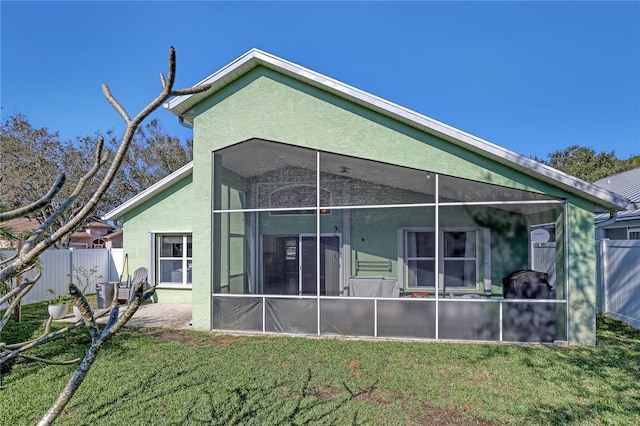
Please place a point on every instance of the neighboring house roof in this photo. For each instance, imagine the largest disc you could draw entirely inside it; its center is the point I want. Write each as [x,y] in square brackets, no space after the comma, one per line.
[115,234]
[16,228]
[167,181]
[21,225]
[84,232]
[97,224]
[627,184]
[182,107]
[80,235]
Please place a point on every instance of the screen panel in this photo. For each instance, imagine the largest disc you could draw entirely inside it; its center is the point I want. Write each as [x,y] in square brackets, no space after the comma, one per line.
[237,313]
[347,317]
[297,316]
[409,318]
[469,320]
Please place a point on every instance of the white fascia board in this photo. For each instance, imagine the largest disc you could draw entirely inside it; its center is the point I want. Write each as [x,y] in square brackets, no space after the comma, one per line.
[145,195]
[594,193]
[175,104]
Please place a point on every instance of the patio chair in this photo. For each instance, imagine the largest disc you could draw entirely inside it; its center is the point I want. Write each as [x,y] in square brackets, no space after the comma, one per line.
[140,275]
[126,289]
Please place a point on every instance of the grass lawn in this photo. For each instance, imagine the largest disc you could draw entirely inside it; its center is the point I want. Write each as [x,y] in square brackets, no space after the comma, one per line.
[165,377]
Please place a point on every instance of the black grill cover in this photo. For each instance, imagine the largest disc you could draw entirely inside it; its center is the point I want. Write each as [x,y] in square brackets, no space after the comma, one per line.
[528,322]
[527,284]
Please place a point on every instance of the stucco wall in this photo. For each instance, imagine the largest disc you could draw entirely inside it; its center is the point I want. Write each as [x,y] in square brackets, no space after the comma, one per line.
[264,104]
[582,274]
[166,212]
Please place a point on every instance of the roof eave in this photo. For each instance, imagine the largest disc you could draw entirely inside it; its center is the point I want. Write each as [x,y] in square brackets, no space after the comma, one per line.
[182,107]
[181,104]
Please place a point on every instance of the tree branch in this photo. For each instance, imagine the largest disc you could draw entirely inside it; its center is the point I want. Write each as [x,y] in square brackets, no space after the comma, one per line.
[83,305]
[16,349]
[19,292]
[49,361]
[37,243]
[36,205]
[8,259]
[115,104]
[113,326]
[31,249]
[163,81]
[191,90]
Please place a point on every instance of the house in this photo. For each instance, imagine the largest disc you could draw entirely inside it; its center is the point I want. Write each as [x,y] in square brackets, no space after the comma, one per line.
[93,235]
[621,225]
[16,228]
[312,207]
[96,235]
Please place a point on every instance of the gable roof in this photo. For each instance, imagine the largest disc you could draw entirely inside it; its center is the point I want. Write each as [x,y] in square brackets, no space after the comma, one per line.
[626,184]
[182,107]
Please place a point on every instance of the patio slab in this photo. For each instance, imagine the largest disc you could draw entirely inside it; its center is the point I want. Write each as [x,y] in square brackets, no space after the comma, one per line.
[164,315]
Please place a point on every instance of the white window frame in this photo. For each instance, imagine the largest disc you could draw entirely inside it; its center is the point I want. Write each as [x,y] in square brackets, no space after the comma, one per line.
[633,231]
[483,252]
[187,261]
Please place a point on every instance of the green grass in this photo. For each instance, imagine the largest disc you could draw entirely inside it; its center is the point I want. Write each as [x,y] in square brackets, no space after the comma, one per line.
[165,377]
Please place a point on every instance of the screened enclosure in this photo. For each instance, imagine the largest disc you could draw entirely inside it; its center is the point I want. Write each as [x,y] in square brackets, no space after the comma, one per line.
[310,242]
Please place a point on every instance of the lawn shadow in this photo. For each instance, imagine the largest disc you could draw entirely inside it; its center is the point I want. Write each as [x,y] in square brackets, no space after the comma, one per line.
[219,402]
[309,404]
[31,325]
[590,384]
[599,383]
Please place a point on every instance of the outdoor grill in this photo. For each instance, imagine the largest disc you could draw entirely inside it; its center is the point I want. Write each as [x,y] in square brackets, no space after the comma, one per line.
[525,321]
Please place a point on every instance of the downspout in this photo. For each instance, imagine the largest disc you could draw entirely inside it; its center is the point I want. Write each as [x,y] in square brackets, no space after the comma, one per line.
[184,123]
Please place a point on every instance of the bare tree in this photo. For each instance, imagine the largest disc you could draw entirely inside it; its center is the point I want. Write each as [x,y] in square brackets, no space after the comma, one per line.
[48,234]
[40,154]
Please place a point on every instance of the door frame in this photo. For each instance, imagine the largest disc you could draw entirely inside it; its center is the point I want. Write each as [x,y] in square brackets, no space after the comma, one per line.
[300,257]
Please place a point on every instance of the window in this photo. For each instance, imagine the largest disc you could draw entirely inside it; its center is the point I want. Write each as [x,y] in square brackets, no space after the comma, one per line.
[458,263]
[634,234]
[460,259]
[174,259]
[98,243]
[421,259]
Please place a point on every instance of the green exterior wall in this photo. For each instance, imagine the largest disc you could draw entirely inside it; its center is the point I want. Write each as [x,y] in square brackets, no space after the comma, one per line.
[165,212]
[582,274]
[267,105]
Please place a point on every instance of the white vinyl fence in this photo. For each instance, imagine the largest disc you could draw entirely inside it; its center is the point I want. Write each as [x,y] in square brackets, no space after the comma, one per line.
[544,259]
[618,275]
[56,266]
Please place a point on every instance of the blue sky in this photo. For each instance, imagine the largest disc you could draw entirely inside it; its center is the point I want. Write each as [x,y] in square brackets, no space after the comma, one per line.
[533,77]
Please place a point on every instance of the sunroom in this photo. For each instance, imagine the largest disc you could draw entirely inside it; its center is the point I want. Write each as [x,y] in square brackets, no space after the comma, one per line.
[312,242]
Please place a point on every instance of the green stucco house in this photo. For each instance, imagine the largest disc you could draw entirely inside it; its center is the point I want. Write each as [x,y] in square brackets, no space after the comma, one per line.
[314,208]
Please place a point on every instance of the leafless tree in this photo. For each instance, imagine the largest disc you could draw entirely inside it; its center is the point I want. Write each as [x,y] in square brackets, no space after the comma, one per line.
[48,234]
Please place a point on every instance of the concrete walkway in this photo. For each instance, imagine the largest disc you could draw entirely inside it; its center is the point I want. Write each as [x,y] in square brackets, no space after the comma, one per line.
[165,315]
